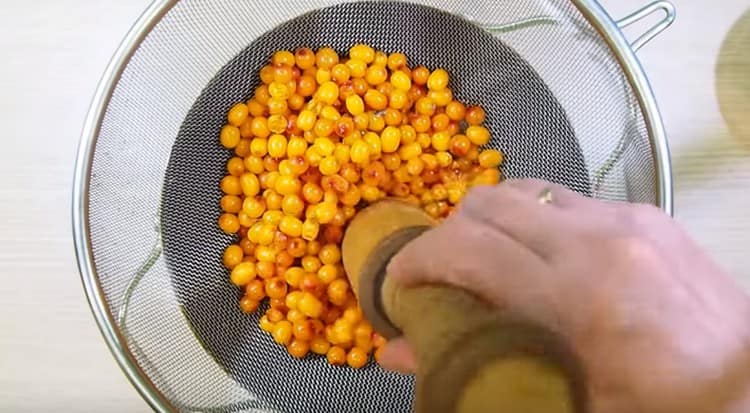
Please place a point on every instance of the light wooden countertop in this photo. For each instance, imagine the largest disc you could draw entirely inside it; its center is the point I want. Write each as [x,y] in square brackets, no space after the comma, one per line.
[51,354]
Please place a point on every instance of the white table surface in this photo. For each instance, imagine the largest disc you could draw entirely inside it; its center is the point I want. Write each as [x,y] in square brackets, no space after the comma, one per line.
[54,51]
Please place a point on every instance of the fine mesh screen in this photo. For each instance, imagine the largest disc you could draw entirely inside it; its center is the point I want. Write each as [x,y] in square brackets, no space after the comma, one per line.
[557,105]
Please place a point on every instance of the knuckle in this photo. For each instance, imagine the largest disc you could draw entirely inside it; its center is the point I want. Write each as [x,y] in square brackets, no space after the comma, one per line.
[635,250]
[637,217]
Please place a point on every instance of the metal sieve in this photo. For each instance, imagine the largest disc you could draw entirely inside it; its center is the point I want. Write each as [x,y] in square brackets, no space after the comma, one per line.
[566,101]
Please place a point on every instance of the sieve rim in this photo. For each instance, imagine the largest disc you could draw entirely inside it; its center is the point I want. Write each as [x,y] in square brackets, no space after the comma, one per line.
[590,9]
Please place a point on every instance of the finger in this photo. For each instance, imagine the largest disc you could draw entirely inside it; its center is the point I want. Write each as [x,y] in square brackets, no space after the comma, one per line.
[522,217]
[476,258]
[561,196]
[600,211]
[398,356]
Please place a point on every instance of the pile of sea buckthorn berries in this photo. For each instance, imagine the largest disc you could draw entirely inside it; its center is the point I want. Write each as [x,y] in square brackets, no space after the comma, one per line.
[322,137]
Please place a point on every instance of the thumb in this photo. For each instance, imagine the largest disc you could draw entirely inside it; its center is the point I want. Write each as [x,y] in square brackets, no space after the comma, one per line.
[398,356]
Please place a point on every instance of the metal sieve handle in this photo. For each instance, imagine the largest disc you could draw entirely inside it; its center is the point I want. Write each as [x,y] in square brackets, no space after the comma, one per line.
[640,14]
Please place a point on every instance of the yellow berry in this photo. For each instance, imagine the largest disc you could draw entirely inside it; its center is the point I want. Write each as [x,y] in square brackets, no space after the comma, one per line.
[336,356]
[242,273]
[330,113]
[326,57]
[310,229]
[341,153]
[444,158]
[249,183]
[410,151]
[282,332]
[237,114]
[327,273]
[325,146]
[373,141]
[370,193]
[279,90]
[357,67]
[283,57]
[362,52]
[414,166]
[325,212]
[340,73]
[376,122]
[291,226]
[313,155]
[487,177]
[293,205]
[490,158]
[441,141]
[266,325]
[259,127]
[478,135]
[253,207]
[390,139]
[277,146]
[441,97]
[322,76]
[296,147]
[354,104]
[376,100]
[265,253]
[265,232]
[430,161]
[360,152]
[328,93]
[259,147]
[376,75]
[438,80]
[423,139]
[330,254]
[229,136]
[306,120]
[293,276]
[310,305]
[287,185]
[329,166]
[401,81]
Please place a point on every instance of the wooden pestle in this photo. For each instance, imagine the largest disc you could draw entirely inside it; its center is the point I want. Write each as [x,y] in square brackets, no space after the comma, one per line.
[470,357]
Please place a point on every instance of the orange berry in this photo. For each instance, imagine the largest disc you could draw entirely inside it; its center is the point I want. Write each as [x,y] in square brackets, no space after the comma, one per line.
[233,255]
[282,332]
[357,358]
[237,114]
[376,100]
[396,61]
[242,273]
[420,75]
[474,115]
[319,345]
[255,289]
[248,305]
[298,348]
[229,223]
[336,356]
[304,58]
[230,136]
[460,145]
[478,135]
[303,331]
[231,204]
[376,75]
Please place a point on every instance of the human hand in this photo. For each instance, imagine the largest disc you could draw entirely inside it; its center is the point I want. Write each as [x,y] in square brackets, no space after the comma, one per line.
[657,325]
